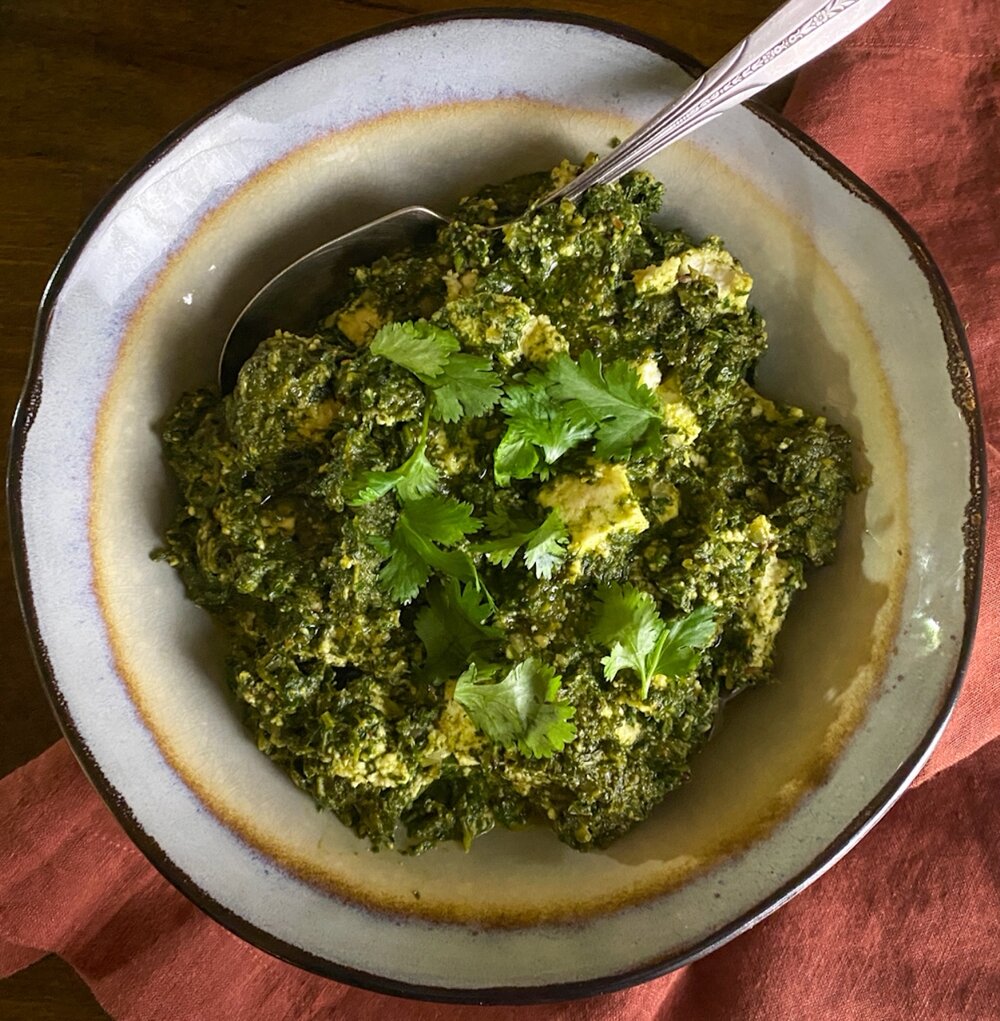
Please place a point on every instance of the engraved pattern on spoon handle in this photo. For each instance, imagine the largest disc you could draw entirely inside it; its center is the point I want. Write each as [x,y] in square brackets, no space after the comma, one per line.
[796,33]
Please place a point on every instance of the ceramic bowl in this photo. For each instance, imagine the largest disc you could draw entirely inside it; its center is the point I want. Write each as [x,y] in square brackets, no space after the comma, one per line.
[861,328]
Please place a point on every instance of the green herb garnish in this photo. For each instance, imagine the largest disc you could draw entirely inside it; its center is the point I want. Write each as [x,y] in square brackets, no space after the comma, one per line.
[453,628]
[540,430]
[419,346]
[630,626]
[572,401]
[461,385]
[414,478]
[521,711]
[544,545]
[419,541]
[623,410]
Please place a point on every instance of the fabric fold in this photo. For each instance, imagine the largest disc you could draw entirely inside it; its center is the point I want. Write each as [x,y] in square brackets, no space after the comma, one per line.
[904,927]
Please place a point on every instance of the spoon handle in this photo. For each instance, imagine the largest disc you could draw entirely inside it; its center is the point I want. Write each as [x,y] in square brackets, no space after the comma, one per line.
[792,36]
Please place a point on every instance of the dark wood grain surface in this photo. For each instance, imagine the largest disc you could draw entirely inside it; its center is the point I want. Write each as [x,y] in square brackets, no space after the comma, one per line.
[87,87]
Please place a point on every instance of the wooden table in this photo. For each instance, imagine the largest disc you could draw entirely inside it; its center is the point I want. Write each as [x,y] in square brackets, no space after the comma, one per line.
[87,87]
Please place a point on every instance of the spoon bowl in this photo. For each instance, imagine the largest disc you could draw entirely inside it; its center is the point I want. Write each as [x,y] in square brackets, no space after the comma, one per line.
[296,298]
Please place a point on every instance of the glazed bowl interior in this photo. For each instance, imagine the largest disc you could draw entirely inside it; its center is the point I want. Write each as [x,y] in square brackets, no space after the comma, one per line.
[868,664]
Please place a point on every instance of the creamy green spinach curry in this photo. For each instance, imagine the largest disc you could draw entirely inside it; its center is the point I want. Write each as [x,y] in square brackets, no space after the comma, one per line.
[494,544]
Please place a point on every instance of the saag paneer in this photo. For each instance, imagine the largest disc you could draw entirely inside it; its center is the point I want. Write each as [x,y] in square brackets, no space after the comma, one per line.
[494,544]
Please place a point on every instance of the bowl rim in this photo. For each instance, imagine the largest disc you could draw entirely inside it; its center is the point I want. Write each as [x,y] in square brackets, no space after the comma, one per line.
[961,372]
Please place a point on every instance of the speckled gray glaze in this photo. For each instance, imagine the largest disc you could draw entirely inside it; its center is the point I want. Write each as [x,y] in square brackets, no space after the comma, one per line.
[861,329]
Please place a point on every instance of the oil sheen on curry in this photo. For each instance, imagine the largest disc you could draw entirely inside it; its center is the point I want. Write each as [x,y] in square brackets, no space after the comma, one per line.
[494,544]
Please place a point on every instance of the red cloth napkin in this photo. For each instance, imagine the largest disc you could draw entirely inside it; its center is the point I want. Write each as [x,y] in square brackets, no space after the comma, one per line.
[906,926]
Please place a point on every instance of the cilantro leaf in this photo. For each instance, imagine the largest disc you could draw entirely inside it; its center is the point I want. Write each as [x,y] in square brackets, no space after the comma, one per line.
[419,346]
[544,544]
[514,457]
[453,627]
[687,637]
[423,527]
[629,625]
[370,485]
[467,386]
[461,384]
[419,477]
[552,426]
[405,572]
[414,478]
[441,518]
[521,711]
[536,422]
[501,549]
[624,411]
[545,548]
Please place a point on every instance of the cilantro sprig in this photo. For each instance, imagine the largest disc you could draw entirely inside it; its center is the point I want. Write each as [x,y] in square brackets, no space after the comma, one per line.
[637,638]
[625,413]
[417,345]
[544,545]
[414,478]
[521,711]
[453,628]
[569,402]
[423,540]
[429,525]
[460,385]
[540,430]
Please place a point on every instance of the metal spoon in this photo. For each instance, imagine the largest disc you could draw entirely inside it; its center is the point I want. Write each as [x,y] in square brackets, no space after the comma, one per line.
[798,31]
